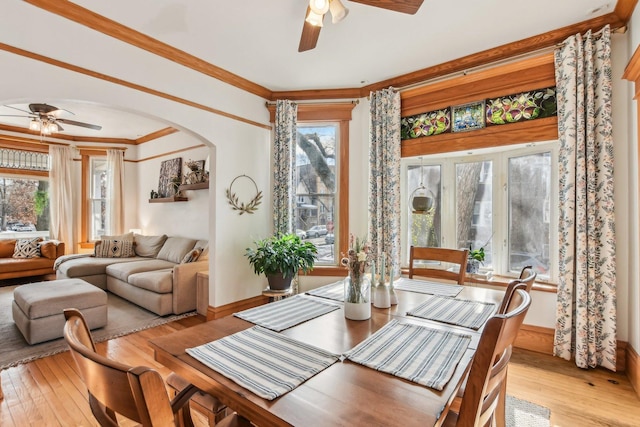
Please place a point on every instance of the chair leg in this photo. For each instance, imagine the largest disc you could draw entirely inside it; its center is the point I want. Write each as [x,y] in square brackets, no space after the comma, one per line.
[500,413]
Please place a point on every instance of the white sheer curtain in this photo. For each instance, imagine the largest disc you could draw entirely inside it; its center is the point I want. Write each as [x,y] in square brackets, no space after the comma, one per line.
[115,191]
[62,222]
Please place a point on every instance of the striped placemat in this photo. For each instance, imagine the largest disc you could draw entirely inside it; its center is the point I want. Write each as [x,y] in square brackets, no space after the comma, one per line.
[416,353]
[286,313]
[469,314]
[267,363]
[426,287]
[333,291]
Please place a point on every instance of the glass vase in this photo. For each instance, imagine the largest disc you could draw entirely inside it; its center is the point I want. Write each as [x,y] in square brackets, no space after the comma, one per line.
[357,297]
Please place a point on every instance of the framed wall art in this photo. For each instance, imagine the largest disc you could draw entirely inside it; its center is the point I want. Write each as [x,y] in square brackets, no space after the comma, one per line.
[169,169]
[467,117]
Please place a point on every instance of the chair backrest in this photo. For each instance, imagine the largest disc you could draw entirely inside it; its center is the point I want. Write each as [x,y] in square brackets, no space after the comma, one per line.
[488,368]
[138,393]
[451,256]
[526,281]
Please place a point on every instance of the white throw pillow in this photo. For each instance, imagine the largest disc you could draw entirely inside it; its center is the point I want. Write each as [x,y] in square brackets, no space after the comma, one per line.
[27,248]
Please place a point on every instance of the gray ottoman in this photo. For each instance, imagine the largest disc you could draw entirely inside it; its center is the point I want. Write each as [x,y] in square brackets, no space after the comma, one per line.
[38,307]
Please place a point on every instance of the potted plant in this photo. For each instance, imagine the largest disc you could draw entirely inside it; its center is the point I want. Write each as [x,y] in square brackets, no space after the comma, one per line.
[475,258]
[280,257]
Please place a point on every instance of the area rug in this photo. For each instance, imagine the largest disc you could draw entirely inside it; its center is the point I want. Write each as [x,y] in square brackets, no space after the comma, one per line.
[123,318]
[520,413]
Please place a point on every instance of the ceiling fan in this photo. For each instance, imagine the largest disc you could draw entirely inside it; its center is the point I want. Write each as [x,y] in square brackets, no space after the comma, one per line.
[317,9]
[44,118]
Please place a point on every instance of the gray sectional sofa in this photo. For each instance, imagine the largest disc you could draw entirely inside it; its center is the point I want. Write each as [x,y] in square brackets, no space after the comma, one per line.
[160,276]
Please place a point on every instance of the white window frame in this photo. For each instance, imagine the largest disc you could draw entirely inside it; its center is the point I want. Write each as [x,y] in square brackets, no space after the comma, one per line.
[500,157]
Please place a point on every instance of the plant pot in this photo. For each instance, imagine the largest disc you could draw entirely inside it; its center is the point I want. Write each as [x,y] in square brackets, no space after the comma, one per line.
[473,266]
[279,283]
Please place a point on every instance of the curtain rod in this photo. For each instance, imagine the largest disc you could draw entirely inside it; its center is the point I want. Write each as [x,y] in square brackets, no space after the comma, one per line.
[354,101]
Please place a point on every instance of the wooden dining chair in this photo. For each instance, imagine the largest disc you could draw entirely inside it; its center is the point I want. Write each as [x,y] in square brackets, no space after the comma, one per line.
[510,300]
[489,368]
[441,255]
[137,393]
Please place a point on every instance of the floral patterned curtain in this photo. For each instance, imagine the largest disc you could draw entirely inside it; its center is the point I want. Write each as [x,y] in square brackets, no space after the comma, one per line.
[384,178]
[586,304]
[283,169]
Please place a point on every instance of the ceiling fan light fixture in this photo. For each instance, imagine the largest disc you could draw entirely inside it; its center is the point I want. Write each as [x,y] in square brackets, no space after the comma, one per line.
[319,7]
[35,125]
[338,11]
[49,128]
[314,19]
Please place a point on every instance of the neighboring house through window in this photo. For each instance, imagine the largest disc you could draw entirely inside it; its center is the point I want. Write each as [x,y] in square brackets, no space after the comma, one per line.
[24,193]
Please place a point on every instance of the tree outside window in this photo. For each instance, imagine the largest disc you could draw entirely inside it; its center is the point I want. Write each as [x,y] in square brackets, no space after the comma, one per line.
[315,185]
[24,205]
[500,201]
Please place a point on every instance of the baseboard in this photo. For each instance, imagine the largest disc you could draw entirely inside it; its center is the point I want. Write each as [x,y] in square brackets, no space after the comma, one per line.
[633,369]
[535,338]
[234,307]
[540,339]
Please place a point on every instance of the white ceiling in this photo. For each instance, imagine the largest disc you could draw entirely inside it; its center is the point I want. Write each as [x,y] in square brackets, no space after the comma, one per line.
[258,40]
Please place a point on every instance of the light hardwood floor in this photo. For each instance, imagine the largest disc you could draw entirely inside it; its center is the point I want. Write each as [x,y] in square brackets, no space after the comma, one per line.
[48,392]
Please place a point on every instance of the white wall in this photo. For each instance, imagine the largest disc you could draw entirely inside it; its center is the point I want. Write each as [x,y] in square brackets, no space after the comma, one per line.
[187,219]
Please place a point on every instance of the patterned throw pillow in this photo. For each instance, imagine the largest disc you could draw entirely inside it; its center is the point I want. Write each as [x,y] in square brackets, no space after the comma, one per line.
[192,255]
[27,248]
[114,249]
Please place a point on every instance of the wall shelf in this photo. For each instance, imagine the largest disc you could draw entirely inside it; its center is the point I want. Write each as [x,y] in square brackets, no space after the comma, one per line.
[197,186]
[171,199]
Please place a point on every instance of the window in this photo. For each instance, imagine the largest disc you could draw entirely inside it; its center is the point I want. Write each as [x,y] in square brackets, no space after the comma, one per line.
[499,200]
[97,197]
[316,188]
[24,192]
[24,206]
[332,207]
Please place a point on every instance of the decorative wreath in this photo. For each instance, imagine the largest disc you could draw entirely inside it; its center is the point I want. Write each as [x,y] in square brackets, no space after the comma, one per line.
[250,207]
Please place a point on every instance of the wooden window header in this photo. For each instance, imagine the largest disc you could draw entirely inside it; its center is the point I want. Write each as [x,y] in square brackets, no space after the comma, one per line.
[312,112]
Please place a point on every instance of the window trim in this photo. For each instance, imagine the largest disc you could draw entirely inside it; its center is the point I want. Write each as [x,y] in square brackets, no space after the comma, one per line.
[85,160]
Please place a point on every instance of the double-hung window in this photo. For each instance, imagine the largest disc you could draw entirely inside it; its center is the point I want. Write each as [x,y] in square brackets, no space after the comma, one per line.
[97,197]
[498,200]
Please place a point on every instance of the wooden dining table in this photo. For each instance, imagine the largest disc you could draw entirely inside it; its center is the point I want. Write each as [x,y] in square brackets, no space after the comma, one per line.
[344,394]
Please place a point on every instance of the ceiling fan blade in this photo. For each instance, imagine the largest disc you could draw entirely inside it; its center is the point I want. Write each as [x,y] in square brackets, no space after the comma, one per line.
[19,109]
[74,123]
[310,34]
[403,6]
[12,115]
